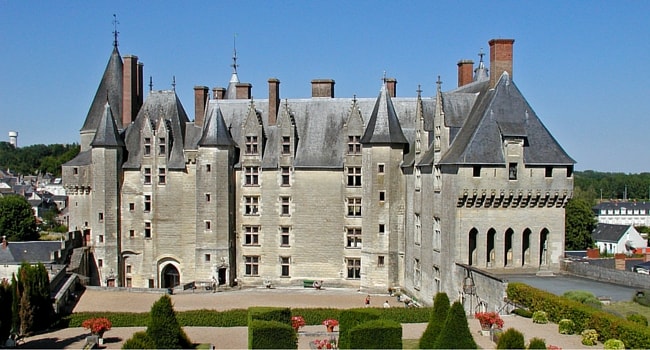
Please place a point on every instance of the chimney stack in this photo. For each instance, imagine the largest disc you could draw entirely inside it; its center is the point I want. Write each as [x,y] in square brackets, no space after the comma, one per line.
[391,85]
[274,100]
[130,90]
[465,72]
[218,93]
[140,86]
[201,95]
[500,59]
[322,88]
[243,91]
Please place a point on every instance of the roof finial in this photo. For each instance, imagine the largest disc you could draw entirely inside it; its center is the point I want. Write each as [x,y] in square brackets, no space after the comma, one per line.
[354,98]
[439,82]
[383,78]
[234,54]
[481,54]
[150,83]
[174,82]
[419,91]
[115,32]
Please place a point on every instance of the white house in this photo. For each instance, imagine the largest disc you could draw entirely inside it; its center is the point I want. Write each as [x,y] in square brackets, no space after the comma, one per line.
[612,239]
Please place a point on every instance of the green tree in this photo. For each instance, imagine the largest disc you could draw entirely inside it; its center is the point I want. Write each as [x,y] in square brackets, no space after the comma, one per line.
[34,306]
[5,309]
[17,220]
[455,333]
[579,223]
[164,328]
[436,320]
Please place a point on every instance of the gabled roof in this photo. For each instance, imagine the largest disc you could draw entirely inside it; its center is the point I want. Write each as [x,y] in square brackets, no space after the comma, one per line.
[622,205]
[610,233]
[107,134]
[110,89]
[500,113]
[383,126]
[215,132]
[31,252]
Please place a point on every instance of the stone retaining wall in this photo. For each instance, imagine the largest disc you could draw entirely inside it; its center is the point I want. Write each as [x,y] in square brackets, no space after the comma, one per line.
[626,278]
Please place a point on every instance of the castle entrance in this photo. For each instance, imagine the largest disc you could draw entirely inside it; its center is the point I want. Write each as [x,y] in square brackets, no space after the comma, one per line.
[170,276]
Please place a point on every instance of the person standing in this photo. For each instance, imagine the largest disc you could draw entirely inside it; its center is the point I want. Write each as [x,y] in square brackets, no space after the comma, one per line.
[367,301]
[386,304]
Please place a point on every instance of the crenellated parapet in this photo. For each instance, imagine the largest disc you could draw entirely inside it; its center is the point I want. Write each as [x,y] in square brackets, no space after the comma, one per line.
[514,198]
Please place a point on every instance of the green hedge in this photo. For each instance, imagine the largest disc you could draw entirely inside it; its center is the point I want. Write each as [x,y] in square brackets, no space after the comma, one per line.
[266,313]
[607,326]
[376,334]
[352,318]
[271,335]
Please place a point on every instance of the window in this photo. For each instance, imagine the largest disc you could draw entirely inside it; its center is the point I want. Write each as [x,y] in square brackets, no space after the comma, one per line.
[251,205]
[380,261]
[354,206]
[251,176]
[437,236]
[75,171]
[381,168]
[436,279]
[284,236]
[207,197]
[286,145]
[207,257]
[476,171]
[382,196]
[354,268]
[208,225]
[382,228]
[100,263]
[162,147]
[208,168]
[101,238]
[101,217]
[285,209]
[285,262]
[512,171]
[129,282]
[151,284]
[131,233]
[418,178]
[354,177]
[417,274]
[131,206]
[418,229]
[251,235]
[251,145]
[147,146]
[128,268]
[548,171]
[147,202]
[437,178]
[147,176]
[252,265]
[147,229]
[354,144]
[161,176]
[286,175]
[354,237]
[418,141]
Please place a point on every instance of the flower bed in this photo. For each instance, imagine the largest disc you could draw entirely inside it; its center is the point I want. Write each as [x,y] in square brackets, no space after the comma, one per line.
[489,320]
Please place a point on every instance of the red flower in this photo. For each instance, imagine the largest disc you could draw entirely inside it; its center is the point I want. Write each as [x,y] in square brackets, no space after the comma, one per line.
[330,322]
[487,319]
[97,325]
[297,322]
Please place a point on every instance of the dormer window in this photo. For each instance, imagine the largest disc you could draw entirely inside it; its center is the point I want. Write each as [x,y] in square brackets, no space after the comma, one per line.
[354,144]
[512,171]
[162,147]
[286,145]
[548,171]
[251,145]
[147,146]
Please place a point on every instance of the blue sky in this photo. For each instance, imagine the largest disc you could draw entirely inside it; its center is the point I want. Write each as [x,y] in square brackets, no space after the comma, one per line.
[582,65]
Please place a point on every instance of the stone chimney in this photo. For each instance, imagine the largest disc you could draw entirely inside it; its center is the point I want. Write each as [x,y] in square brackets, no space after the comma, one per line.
[274,100]
[243,91]
[465,72]
[322,88]
[391,86]
[500,59]
[201,95]
[130,84]
[218,93]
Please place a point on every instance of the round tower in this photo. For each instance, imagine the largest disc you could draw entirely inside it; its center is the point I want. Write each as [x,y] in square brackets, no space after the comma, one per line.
[13,138]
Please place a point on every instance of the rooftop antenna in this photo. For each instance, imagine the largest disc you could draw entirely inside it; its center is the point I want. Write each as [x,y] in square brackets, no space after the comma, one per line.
[115,32]
[234,54]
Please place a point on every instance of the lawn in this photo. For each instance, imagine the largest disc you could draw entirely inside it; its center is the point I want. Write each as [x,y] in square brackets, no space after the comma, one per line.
[624,308]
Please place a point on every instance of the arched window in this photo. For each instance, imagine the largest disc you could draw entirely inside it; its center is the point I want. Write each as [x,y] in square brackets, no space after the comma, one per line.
[543,247]
[525,247]
[507,248]
[473,239]
[491,253]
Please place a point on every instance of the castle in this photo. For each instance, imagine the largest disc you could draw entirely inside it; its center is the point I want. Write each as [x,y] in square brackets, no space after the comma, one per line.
[416,193]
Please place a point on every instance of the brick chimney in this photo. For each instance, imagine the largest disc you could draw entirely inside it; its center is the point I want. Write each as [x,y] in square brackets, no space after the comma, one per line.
[500,59]
[218,93]
[274,100]
[243,90]
[391,85]
[201,95]
[140,85]
[322,88]
[130,84]
[465,72]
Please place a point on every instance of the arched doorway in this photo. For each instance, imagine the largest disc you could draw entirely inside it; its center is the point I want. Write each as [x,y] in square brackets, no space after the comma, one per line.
[170,276]
[491,253]
[525,248]
[473,236]
[507,251]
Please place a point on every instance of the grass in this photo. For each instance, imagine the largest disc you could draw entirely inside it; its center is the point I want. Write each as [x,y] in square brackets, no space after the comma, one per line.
[410,343]
[624,308]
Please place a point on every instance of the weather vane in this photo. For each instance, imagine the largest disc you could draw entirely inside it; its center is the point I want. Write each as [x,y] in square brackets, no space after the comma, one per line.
[115,32]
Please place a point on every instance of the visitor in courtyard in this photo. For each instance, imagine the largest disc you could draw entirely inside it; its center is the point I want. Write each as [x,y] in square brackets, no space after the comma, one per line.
[367,301]
[386,304]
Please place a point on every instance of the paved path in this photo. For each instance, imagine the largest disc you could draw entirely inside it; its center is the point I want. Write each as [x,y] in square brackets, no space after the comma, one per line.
[236,337]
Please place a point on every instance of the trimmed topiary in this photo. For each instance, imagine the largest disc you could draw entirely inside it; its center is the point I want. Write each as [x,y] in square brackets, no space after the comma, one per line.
[614,344]
[589,337]
[566,326]
[436,321]
[511,339]
[638,318]
[139,340]
[455,334]
[376,334]
[540,317]
[523,312]
[537,343]
[164,329]
[352,318]
[271,335]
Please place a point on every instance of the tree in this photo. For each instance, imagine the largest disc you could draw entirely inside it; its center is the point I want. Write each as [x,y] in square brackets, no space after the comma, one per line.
[32,292]
[5,309]
[579,223]
[455,333]
[436,321]
[164,328]
[17,220]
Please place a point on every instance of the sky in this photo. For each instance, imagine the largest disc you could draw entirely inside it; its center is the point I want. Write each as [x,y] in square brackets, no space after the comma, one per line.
[574,61]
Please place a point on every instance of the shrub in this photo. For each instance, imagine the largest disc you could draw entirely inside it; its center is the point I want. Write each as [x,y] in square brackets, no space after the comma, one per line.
[638,318]
[540,317]
[614,344]
[352,318]
[511,339]
[589,337]
[642,297]
[523,312]
[566,326]
[537,343]
[271,335]
[376,334]
[436,321]
[265,313]
[139,340]
[584,297]
[455,333]
[164,329]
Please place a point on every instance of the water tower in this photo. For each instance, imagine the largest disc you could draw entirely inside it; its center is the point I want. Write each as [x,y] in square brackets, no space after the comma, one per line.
[13,138]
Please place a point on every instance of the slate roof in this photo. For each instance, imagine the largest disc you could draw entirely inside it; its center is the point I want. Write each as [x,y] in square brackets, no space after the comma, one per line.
[384,126]
[107,134]
[622,205]
[610,233]
[31,252]
[215,132]
[109,90]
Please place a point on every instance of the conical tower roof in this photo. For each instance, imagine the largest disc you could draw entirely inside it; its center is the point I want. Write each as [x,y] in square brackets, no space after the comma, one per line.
[383,126]
[110,89]
[107,134]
